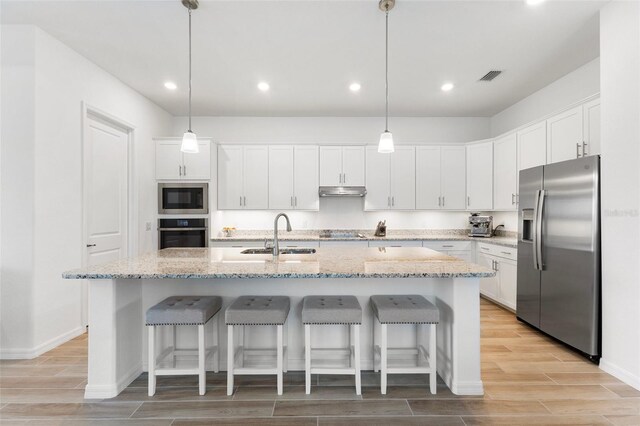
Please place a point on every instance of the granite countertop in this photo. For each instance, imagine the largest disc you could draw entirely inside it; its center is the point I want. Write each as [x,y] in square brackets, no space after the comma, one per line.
[507,239]
[334,262]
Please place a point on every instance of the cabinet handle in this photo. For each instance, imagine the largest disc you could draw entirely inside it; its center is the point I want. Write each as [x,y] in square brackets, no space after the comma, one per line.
[180,170]
[184,170]
[447,245]
[393,201]
[244,201]
[496,267]
[388,201]
[508,253]
[468,200]
[443,203]
[241,201]
[344,178]
[91,245]
[577,150]
[439,201]
[291,201]
[295,201]
[513,199]
[584,148]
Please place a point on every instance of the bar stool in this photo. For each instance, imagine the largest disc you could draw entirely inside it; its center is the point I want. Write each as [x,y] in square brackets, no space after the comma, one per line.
[256,310]
[405,309]
[183,310]
[332,310]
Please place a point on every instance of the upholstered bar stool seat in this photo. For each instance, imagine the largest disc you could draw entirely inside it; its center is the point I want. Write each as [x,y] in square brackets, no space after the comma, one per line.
[252,311]
[332,310]
[183,311]
[405,309]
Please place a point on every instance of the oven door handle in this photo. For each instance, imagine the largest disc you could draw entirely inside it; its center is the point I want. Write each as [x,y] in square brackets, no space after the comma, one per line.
[182,229]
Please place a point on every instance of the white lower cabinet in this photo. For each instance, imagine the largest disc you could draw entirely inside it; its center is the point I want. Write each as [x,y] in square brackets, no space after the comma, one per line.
[333,243]
[503,287]
[397,243]
[460,249]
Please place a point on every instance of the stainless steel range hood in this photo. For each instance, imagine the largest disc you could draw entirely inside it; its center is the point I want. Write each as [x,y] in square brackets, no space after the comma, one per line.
[342,191]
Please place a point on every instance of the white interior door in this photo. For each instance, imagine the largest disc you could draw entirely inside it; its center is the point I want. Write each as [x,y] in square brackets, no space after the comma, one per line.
[403,178]
[428,178]
[306,178]
[281,177]
[453,185]
[106,192]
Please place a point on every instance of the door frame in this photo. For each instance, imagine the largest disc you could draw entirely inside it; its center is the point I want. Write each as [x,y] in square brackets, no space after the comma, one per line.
[91,112]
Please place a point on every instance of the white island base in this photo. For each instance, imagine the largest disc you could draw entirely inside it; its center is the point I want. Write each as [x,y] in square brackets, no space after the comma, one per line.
[118,336]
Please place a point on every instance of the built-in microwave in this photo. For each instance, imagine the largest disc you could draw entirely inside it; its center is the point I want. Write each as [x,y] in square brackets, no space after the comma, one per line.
[183,198]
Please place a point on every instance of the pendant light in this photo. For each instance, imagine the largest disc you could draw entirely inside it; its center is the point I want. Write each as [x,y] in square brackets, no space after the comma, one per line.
[386,138]
[189,139]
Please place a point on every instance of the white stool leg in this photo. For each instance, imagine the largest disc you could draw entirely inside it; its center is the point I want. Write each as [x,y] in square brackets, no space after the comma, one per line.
[175,346]
[152,360]
[216,342]
[241,341]
[374,326]
[356,356]
[230,361]
[202,373]
[307,358]
[433,349]
[383,359]
[285,361]
[279,351]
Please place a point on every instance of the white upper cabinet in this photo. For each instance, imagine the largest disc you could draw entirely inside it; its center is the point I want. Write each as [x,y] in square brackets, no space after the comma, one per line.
[173,164]
[390,179]
[293,177]
[564,136]
[452,177]
[591,123]
[305,178]
[243,177]
[342,165]
[428,195]
[440,177]
[505,175]
[532,146]
[480,176]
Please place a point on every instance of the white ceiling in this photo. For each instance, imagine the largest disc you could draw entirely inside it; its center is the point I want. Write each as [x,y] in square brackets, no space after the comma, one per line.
[310,51]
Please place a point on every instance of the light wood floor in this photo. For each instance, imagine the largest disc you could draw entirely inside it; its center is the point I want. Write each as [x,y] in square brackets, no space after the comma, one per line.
[529,380]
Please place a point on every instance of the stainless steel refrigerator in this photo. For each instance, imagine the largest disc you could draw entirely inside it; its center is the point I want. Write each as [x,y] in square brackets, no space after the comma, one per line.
[559,252]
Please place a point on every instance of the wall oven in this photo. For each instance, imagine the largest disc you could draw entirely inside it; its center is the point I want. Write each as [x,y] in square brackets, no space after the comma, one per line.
[187,232]
[183,198]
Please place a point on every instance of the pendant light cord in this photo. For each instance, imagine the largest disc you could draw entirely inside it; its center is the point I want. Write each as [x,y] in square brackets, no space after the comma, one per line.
[189,69]
[386,71]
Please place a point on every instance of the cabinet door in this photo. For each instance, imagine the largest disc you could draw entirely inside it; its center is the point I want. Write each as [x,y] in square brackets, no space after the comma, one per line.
[403,178]
[488,286]
[281,177]
[168,160]
[198,166]
[505,173]
[564,136]
[353,161]
[592,127]
[378,180]
[461,254]
[330,166]
[256,177]
[532,146]
[305,179]
[428,184]
[480,176]
[452,181]
[230,177]
[508,276]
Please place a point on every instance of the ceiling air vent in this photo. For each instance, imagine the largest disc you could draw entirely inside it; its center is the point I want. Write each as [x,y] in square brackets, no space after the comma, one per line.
[490,75]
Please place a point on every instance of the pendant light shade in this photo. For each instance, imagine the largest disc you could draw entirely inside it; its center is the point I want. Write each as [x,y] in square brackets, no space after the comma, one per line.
[385,146]
[189,139]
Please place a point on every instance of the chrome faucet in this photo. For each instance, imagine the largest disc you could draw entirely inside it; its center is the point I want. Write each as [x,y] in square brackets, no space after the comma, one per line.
[276,247]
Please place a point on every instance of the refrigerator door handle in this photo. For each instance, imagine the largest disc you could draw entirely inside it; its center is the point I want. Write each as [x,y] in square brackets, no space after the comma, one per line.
[536,207]
[538,255]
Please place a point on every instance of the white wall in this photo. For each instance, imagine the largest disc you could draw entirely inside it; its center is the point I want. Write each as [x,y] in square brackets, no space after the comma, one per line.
[573,87]
[51,172]
[620,109]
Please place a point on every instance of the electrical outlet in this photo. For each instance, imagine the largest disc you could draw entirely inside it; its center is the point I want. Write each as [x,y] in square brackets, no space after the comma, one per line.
[148,226]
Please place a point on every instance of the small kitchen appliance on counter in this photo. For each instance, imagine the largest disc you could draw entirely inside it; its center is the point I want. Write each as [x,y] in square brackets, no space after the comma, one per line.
[481,226]
[381,229]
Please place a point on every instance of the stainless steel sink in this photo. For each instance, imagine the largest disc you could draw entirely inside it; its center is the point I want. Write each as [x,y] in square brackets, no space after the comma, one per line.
[282,251]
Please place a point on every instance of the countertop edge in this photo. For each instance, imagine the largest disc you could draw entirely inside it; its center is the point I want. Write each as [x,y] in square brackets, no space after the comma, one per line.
[268,276]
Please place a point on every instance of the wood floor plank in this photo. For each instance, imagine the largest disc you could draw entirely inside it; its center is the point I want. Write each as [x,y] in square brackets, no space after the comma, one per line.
[624,420]
[65,360]
[41,382]
[410,392]
[68,410]
[204,409]
[548,392]
[265,421]
[342,408]
[583,378]
[547,367]
[519,378]
[31,371]
[42,395]
[173,394]
[623,390]
[478,407]
[536,420]
[386,421]
[518,356]
[99,422]
[620,406]
[257,393]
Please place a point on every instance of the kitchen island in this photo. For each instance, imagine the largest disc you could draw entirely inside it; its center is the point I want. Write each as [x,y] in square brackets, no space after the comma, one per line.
[120,292]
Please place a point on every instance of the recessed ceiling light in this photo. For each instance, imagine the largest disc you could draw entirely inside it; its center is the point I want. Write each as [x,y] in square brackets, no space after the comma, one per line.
[263,86]
[534,2]
[447,87]
[355,87]
[170,85]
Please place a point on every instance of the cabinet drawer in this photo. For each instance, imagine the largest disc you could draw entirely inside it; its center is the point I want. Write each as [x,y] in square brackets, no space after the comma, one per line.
[344,243]
[498,251]
[397,243]
[447,245]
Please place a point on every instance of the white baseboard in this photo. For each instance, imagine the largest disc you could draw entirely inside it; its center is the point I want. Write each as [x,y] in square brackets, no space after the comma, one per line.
[111,391]
[467,388]
[620,373]
[24,353]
